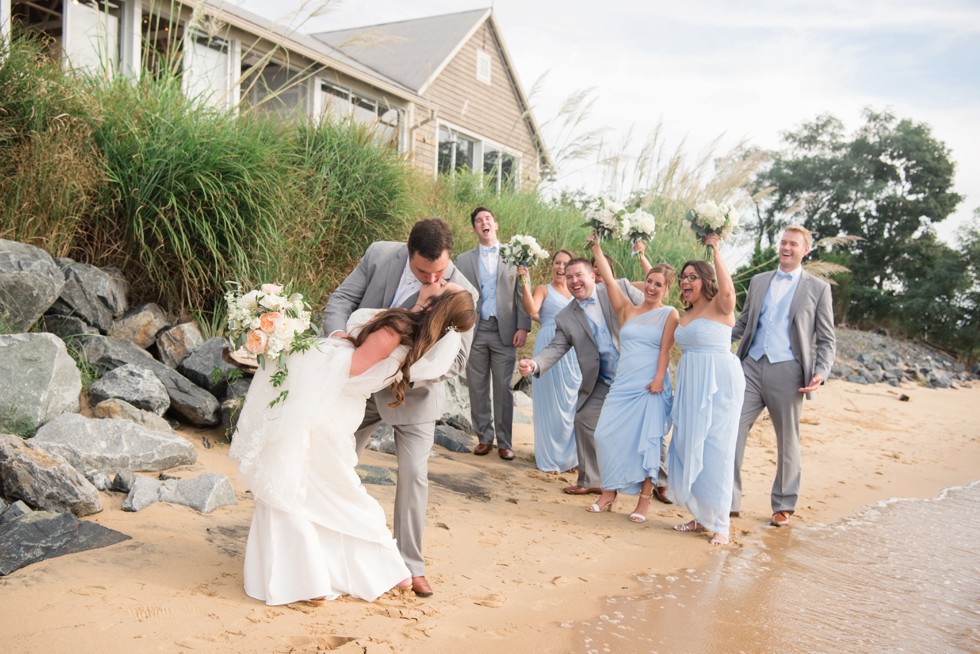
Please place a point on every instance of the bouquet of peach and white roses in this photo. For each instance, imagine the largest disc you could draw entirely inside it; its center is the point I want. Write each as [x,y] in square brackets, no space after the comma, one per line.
[711,218]
[266,324]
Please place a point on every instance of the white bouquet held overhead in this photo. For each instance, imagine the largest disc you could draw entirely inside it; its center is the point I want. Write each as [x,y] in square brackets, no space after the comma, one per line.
[605,217]
[522,250]
[639,225]
[266,325]
[711,218]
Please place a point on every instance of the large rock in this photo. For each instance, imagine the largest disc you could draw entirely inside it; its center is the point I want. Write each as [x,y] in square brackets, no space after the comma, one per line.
[204,493]
[94,445]
[457,411]
[140,325]
[117,409]
[67,328]
[174,344]
[90,293]
[45,535]
[30,282]
[44,480]
[206,367]
[133,384]
[187,400]
[40,381]
[454,439]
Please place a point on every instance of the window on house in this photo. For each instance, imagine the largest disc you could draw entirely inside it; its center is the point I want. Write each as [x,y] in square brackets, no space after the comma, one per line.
[499,169]
[273,87]
[161,46]
[340,103]
[483,66]
[456,152]
[83,33]
[207,68]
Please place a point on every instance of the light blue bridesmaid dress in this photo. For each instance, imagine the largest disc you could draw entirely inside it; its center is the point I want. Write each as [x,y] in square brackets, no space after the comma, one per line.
[554,396]
[633,421]
[707,405]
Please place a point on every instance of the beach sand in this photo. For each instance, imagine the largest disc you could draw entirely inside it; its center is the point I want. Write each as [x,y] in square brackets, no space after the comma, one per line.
[512,560]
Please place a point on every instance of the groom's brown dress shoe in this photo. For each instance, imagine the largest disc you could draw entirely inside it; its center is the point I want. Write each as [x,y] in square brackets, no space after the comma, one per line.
[660,492]
[780,519]
[421,587]
[482,448]
[580,490]
[506,454]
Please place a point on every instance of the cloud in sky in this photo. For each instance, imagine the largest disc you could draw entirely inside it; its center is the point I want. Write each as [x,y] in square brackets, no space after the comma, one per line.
[750,70]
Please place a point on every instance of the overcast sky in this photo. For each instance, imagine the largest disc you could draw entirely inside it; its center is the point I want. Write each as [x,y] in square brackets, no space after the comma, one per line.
[712,68]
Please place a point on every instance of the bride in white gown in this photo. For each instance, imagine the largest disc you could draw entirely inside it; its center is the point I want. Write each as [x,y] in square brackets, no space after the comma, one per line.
[316,533]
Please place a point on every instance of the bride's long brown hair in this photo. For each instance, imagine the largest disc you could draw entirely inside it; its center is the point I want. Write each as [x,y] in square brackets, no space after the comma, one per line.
[421,330]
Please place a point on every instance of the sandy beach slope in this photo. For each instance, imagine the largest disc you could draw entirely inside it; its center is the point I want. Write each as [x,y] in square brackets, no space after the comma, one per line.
[510,557]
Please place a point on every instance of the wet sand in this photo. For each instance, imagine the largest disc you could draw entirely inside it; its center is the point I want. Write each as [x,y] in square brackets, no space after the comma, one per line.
[515,564]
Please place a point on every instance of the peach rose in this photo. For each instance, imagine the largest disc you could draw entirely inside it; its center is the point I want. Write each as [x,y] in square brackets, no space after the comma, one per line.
[267,321]
[255,341]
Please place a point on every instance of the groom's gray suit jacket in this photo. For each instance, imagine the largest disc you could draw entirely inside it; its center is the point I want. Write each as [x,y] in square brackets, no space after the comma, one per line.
[811,329]
[372,285]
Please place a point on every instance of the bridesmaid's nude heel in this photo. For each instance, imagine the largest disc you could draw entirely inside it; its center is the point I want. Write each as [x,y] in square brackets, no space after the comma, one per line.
[599,508]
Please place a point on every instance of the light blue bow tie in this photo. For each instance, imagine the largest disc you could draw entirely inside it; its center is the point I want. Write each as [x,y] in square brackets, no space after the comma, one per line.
[490,250]
[783,275]
[585,303]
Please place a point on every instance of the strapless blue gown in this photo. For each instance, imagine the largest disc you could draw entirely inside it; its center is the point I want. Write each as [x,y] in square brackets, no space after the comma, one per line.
[633,421]
[707,406]
[554,395]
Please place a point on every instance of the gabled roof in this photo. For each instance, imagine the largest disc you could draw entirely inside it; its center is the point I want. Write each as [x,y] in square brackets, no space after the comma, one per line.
[414,52]
[411,52]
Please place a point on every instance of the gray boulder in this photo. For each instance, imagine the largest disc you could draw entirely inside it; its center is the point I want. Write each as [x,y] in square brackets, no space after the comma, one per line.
[43,480]
[457,412]
[206,367]
[140,325]
[30,282]
[40,381]
[231,409]
[133,384]
[109,445]
[454,439]
[117,409]
[376,475]
[90,293]
[522,399]
[67,328]
[239,387]
[204,493]
[14,511]
[174,344]
[44,535]
[187,400]
[383,439]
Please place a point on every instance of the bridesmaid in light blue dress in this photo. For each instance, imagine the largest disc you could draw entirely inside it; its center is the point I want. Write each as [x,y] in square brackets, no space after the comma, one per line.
[555,392]
[708,401]
[636,413]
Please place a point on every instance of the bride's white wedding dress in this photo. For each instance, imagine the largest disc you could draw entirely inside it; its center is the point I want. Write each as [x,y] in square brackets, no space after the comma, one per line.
[316,532]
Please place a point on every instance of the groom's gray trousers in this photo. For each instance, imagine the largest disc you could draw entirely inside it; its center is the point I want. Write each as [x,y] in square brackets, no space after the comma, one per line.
[413,443]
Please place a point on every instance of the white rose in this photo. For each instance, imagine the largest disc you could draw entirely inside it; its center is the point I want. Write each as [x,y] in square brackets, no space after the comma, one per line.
[271,289]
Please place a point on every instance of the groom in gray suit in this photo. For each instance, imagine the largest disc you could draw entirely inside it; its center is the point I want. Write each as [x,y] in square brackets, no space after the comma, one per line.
[590,326]
[503,327]
[787,349]
[390,275]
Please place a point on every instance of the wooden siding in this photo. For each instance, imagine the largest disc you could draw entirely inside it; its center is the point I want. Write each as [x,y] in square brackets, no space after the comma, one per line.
[489,111]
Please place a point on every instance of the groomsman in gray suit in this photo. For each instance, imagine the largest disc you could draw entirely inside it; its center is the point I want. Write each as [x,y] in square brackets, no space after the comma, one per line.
[390,275]
[503,327]
[590,325]
[787,349]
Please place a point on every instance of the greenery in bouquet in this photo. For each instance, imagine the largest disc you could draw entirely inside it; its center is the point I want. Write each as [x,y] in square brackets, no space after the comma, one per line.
[522,250]
[711,218]
[266,324]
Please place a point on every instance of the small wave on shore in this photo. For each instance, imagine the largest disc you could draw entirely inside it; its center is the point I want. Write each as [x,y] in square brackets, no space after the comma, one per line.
[899,576]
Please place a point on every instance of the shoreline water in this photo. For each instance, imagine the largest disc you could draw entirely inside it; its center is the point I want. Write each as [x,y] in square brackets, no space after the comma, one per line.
[515,564]
[900,575]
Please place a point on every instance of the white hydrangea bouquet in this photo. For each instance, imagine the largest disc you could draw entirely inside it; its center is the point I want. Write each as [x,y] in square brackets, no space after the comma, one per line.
[711,218]
[605,217]
[522,250]
[639,225]
[266,324]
